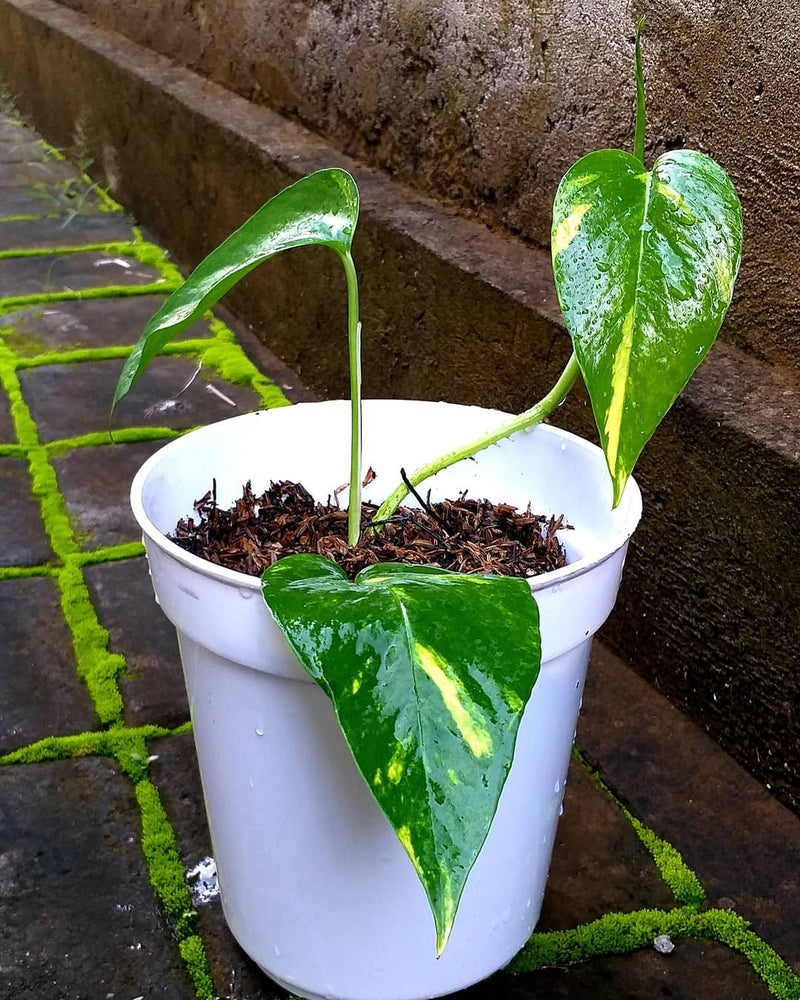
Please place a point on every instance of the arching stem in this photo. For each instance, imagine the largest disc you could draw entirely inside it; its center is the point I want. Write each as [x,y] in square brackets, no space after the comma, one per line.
[535,415]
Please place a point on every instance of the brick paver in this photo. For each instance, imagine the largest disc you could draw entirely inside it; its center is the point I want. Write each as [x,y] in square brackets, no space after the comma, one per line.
[100,822]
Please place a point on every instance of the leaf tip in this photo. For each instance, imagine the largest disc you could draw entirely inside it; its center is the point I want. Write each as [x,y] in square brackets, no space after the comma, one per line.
[442,937]
[619,480]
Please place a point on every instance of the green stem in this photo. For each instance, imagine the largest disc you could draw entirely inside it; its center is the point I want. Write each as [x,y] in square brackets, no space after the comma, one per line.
[641,115]
[354,348]
[535,415]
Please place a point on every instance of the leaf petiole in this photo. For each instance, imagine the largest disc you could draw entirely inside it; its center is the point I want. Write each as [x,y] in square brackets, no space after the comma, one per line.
[535,415]
[354,348]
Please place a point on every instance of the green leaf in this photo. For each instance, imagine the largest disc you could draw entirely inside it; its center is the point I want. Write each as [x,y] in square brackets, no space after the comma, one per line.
[429,673]
[319,209]
[644,264]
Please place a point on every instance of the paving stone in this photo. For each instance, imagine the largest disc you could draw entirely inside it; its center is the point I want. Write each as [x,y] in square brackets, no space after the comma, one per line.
[96,484]
[115,322]
[67,400]
[742,843]
[50,199]
[40,691]
[28,174]
[175,772]
[152,687]
[22,151]
[80,921]
[8,435]
[599,864]
[696,970]
[48,273]
[78,230]
[23,541]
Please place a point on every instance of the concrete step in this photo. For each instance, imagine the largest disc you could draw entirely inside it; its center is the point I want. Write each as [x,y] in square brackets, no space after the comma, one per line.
[453,310]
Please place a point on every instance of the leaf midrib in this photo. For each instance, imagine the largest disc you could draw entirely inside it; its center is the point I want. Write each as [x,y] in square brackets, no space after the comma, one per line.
[407,632]
[622,361]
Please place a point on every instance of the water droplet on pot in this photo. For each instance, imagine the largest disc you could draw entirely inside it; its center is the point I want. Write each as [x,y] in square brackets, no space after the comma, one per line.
[259,732]
[277,951]
[557,787]
[563,445]
[561,809]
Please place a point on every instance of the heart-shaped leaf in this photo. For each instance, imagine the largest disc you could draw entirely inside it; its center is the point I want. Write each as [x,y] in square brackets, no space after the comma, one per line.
[429,673]
[644,263]
[321,208]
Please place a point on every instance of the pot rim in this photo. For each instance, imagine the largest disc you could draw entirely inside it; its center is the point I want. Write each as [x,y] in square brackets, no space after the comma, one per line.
[632,498]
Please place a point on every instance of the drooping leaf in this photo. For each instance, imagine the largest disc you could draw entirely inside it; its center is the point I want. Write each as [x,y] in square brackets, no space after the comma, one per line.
[645,263]
[321,208]
[429,672]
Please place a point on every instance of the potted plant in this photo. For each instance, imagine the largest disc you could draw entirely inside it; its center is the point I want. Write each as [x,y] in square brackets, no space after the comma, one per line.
[356,738]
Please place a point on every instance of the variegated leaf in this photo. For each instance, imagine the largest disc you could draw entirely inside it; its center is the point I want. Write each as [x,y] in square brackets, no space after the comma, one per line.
[429,673]
[320,209]
[645,263]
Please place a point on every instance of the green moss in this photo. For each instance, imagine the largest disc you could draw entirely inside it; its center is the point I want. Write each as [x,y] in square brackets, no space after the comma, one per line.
[22,572]
[24,426]
[13,451]
[13,302]
[105,743]
[683,882]
[732,930]
[194,955]
[73,356]
[121,435]
[611,934]
[616,933]
[110,553]
[115,249]
[226,356]
[27,218]
[163,859]
[53,507]
[98,667]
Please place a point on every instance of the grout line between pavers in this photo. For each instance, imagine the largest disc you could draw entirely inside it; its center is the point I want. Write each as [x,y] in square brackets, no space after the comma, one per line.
[611,934]
[675,873]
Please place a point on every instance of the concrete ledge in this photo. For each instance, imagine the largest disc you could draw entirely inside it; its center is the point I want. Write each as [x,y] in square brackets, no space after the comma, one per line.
[451,309]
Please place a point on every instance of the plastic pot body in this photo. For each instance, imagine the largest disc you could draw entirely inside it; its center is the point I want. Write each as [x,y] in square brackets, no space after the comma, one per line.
[315,885]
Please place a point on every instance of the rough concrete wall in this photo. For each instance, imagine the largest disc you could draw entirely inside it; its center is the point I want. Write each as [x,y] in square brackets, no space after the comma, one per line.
[486,103]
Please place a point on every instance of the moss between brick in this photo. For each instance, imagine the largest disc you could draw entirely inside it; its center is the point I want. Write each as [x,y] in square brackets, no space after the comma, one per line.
[620,933]
[98,667]
[116,743]
[683,882]
[22,572]
[163,860]
[110,553]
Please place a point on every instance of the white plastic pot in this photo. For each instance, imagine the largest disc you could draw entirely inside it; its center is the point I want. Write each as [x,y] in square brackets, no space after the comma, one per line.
[315,886]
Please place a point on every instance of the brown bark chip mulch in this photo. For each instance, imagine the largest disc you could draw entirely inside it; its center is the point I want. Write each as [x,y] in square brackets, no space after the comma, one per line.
[470,536]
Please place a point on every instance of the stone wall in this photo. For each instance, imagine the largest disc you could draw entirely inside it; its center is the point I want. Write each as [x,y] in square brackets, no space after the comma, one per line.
[485,103]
